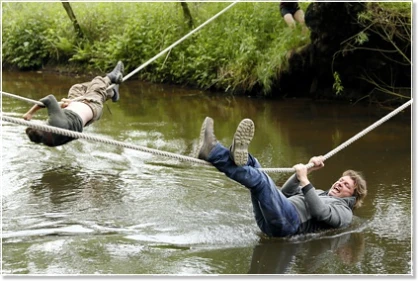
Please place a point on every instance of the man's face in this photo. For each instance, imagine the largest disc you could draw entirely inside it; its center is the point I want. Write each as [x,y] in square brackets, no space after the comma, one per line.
[344,187]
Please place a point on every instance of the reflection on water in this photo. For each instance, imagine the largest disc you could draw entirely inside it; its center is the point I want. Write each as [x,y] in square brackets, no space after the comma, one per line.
[284,257]
[89,207]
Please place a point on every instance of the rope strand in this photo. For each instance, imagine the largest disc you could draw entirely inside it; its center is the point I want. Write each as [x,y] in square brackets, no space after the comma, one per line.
[179,41]
[79,135]
[22,98]
[168,154]
[192,159]
[349,141]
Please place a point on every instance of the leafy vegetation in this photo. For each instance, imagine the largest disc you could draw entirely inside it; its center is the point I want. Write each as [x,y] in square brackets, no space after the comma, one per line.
[337,86]
[243,50]
[389,23]
[244,47]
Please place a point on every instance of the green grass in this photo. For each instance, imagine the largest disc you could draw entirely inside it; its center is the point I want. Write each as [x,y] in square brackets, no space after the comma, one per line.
[244,48]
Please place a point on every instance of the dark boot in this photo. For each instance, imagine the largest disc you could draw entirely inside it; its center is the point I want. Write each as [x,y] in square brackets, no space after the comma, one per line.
[207,140]
[242,138]
[116,76]
[115,90]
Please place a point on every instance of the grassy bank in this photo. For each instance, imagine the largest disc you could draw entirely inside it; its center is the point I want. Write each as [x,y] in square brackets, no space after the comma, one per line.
[244,46]
[243,49]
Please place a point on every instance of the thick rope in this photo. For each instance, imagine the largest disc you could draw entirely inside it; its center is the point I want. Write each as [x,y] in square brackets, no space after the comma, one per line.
[79,135]
[192,159]
[173,155]
[22,98]
[146,63]
[178,42]
[349,141]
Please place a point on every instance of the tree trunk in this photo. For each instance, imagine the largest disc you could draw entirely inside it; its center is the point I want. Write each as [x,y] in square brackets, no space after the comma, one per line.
[187,15]
[73,19]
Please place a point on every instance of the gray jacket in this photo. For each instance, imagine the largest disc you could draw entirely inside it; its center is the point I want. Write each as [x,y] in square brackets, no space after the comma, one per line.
[61,118]
[317,210]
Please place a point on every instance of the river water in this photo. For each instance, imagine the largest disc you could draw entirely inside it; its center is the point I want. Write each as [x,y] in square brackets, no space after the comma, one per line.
[94,208]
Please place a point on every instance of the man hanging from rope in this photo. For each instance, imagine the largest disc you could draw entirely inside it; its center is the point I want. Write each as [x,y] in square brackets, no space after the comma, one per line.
[297,207]
[83,106]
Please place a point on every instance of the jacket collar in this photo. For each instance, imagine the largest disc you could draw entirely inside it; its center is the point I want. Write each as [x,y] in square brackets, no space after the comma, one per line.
[351,201]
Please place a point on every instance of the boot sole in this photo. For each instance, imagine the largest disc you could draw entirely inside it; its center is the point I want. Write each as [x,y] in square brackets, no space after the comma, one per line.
[242,138]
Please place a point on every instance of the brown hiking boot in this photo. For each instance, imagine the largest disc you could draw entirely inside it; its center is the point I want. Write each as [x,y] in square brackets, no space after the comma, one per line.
[207,139]
[242,138]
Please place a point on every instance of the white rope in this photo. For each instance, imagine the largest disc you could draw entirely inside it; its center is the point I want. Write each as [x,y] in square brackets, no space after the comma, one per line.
[192,159]
[178,42]
[172,155]
[22,98]
[79,135]
[349,141]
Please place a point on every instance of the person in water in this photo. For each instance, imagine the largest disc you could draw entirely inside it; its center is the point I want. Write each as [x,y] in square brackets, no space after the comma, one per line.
[83,106]
[297,207]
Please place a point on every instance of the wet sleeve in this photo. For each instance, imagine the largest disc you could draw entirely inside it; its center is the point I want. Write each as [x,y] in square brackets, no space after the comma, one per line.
[56,115]
[51,104]
[291,186]
[337,214]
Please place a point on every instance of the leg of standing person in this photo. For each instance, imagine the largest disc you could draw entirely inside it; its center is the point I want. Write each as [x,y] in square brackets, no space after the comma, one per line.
[288,18]
[299,16]
[275,215]
[287,13]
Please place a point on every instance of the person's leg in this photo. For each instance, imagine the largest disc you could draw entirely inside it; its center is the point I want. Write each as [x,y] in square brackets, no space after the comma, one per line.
[288,18]
[96,93]
[258,207]
[78,91]
[257,210]
[274,214]
[97,89]
[299,16]
[286,10]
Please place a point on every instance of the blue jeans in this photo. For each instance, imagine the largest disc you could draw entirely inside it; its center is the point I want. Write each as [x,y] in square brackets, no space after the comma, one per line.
[274,213]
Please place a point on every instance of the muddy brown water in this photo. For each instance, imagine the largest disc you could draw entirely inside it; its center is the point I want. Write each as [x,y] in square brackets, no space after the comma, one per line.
[93,208]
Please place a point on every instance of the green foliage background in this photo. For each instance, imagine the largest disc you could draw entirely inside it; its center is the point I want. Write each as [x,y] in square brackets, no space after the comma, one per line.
[243,47]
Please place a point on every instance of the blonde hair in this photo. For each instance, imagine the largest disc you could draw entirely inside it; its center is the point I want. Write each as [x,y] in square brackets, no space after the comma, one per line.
[360,185]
